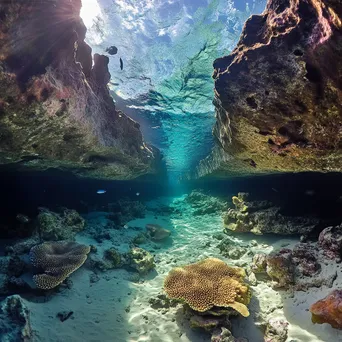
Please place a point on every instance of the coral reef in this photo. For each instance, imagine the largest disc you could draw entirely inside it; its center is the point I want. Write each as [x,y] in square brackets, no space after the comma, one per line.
[53,226]
[328,310]
[56,109]
[330,240]
[260,217]
[15,320]
[209,283]
[157,232]
[141,260]
[277,95]
[57,260]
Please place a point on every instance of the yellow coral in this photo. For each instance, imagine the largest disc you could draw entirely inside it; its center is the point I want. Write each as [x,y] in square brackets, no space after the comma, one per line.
[58,260]
[208,283]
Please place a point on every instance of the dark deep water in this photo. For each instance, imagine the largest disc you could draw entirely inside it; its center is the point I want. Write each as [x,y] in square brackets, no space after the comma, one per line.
[298,194]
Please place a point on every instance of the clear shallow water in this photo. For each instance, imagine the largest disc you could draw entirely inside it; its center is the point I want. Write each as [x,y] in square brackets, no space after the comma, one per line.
[168,49]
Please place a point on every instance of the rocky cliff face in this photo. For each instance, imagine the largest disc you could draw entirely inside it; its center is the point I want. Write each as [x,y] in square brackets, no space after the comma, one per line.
[55,107]
[278,96]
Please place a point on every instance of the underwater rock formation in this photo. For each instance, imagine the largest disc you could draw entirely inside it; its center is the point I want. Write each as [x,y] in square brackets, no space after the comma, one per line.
[125,210]
[56,110]
[57,260]
[276,330]
[204,204]
[11,268]
[208,284]
[261,217]
[302,267]
[328,310]
[157,232]
[330,240]
[54,226]
[278,94]
[141,260]
[15,320]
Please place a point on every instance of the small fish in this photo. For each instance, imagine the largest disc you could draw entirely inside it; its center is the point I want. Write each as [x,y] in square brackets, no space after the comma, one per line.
[121,64]
[138,193]
[125,226]
[101,192]
[23,218]
[275,190]
[309,192]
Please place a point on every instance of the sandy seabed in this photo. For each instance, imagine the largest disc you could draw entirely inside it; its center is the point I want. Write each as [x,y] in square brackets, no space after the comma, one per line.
[117,309]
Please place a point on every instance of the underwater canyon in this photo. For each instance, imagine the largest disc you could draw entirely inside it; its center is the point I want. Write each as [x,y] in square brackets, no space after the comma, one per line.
[171,170]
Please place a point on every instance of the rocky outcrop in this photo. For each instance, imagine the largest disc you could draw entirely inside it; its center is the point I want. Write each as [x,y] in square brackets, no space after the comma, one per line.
[278,96]
[55,107]
[15,323]
[262,217]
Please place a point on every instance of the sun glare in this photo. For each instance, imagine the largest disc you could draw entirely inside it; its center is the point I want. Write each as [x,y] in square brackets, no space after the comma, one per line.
[89,11]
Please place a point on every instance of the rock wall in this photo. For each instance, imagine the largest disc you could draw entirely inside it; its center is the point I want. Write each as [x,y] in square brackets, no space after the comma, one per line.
[278,95]
[55,107]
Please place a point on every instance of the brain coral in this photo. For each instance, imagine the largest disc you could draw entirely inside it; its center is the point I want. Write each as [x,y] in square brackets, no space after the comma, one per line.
[209,283]
[57,259]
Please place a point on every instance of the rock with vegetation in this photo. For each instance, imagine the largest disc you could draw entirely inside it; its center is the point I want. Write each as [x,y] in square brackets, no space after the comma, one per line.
[51,226]
[56,109]
[260,217]
[277,95]
[141,260]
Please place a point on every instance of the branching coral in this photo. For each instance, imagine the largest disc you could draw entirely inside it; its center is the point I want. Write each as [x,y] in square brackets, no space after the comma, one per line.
[209,283]
[57,260]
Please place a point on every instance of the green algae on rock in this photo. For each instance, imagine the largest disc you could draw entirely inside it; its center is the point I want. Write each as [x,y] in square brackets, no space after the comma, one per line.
[278,95]
[56,110]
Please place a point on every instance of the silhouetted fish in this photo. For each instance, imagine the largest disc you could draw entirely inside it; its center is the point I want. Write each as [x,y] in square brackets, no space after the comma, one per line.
[121,64]
[112,50]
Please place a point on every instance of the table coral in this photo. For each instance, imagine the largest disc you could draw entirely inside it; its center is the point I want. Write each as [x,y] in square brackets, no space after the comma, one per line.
[57,260]
[209,283]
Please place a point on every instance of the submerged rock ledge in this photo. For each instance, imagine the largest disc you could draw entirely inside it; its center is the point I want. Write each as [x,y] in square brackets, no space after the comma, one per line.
[278,96]
[55,106]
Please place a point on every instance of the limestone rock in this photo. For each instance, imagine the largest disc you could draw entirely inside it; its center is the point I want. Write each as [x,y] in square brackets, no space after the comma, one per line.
[56,110]
[328,310]
[278,94]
